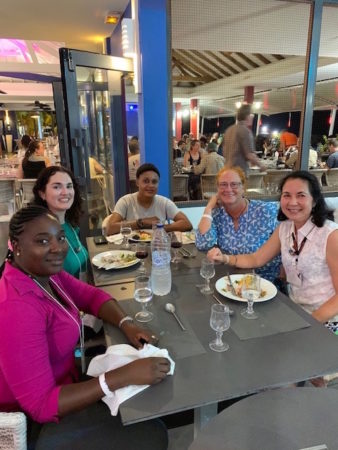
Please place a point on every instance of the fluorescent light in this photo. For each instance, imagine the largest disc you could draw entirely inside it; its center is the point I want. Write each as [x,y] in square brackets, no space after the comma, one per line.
[128,46]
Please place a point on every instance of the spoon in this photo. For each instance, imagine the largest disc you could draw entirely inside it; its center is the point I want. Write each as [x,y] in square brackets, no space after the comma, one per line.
[170,308]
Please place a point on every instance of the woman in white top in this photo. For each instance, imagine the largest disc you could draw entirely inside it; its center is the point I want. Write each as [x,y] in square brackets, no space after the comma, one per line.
[308,243]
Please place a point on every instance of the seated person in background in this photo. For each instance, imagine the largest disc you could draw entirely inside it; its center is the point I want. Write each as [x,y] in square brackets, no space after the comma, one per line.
[212,162]
[34,161]
[40,324]
[133,163]
[236,225]
[287,139]
[291,157]
[144,207]
[332,160]
[95,168]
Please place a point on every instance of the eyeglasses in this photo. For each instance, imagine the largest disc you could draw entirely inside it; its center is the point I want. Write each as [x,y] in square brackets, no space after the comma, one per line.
[232,185]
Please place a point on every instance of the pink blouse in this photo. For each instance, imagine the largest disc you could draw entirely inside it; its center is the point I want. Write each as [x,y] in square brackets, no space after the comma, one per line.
[37,341]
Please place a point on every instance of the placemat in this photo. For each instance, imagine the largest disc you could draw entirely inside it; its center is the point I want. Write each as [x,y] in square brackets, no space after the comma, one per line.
[274,317]
[179,343]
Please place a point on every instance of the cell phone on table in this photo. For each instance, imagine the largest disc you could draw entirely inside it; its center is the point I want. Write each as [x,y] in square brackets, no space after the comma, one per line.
[100,240]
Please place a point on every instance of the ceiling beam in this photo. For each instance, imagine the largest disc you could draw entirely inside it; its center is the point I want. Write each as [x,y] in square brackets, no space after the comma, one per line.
[183,66]
[262,58]
[202,67]
[188,64]
[201,59]
[234,61]
[213,61]
[248,60]
[190,79]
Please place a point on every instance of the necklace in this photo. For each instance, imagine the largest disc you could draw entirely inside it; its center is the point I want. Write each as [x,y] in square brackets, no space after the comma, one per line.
[69,300]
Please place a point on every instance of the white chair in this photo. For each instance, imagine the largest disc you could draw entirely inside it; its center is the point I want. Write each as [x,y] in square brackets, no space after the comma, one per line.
[275,176]
[318,173]
[13,431]
[208,186]
[332,180]
[7,197]
[25,186]
[255,180]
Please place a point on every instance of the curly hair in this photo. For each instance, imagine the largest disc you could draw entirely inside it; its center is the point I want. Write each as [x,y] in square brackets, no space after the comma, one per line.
[73,214]
[320,211]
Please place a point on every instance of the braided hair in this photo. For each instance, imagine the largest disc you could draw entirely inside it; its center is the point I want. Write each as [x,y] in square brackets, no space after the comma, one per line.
[17,225]
[32,147]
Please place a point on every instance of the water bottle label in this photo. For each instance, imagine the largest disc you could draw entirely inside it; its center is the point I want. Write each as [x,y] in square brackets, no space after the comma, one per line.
[160,258]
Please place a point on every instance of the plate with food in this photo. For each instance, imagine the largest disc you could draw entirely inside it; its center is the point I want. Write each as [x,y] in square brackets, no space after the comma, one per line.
[115,259]
[268,290]
[141,236]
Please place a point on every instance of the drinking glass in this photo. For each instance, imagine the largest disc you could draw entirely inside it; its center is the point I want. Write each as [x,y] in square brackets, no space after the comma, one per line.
[143,294]
[176,243]
[142,254]
[207,271]
[220,322]
[125,230]
[251,290]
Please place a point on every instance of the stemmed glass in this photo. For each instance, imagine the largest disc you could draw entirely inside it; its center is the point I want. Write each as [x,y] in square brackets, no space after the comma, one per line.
[142,254]
[251,290]
[125,230]
[143,294]
[207,271]
[220,322]
[176,243]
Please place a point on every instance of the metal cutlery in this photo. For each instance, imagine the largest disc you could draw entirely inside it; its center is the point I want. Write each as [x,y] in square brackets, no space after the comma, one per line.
[233,290]
[170,308]
[186,253]
[231,312]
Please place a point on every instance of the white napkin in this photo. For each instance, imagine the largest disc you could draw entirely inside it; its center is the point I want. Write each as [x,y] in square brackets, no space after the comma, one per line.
[118,356]
[188,237]
[115,238]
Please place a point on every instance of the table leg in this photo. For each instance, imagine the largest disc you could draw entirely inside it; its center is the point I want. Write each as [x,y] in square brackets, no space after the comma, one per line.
[202,415]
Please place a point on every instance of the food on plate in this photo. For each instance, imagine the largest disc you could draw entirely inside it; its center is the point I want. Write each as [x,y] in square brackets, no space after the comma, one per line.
[141,236]
[240,284]
[120,258]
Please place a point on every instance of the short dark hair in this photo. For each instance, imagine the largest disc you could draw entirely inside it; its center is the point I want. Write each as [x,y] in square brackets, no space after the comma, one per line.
[320,212]
[25,140]
[134,146]
[146,167]
[243,112]
[333,142]
[203,139]
[180,143]
[74,212]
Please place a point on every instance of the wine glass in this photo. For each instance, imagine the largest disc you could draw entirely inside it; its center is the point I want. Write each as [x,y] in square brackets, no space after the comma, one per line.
[125,230]
[142,254]
[207,271]
[251,290]
[220,322]
[176,243]
[143,294]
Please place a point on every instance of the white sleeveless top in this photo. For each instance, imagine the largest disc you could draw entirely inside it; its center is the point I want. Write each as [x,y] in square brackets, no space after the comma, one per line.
[309,278]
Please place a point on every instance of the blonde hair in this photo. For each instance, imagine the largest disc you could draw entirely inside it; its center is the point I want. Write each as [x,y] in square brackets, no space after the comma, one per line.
[235,169]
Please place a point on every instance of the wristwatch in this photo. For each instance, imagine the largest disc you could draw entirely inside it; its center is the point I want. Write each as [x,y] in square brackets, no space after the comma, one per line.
[139,223]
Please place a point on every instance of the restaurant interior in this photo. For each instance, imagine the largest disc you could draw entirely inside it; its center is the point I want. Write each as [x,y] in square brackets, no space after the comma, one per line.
[85,77]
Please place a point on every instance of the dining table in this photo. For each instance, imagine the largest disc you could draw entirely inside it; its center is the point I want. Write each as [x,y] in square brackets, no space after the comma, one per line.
[285,345]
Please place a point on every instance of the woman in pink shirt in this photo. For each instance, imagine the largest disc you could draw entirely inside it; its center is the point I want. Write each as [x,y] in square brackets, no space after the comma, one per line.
[40,326]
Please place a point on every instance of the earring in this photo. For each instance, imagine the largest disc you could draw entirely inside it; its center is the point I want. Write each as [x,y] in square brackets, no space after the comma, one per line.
[17,253]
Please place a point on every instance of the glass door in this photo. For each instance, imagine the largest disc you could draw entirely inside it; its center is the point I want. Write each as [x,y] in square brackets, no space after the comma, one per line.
[94,103]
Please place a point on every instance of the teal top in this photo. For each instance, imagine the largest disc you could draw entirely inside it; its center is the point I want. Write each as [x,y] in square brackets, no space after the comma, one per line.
[77,256]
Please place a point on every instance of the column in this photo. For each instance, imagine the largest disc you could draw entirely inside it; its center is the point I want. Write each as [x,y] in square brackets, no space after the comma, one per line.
[194,118]
[249,94]
[178,120]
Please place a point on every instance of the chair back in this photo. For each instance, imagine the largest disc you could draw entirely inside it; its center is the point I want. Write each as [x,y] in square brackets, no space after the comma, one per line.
[332,178]
[255,180]
[318,173]
[13,431]
[275,176]
[25,190]
[208,186]
[7,197]
[180,187]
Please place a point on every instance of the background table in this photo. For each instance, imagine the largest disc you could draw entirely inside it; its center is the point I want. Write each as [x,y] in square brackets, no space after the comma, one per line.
[283,419]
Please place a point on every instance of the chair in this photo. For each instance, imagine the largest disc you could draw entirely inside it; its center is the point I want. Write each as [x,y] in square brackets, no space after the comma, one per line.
[25,186]
[275,176]
[255,180]
[318,173]
[180,187]
[331,180]
[13,431]
[7,197]
[208,186]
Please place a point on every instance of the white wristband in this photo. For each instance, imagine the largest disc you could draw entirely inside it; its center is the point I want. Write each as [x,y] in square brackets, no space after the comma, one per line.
[104,386]
[207,216]
[125,319]
[226,259]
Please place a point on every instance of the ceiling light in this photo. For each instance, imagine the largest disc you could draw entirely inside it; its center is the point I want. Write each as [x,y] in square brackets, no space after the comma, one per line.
[238,104]
[112,18]
[35,116]
[128,45]
[257,105]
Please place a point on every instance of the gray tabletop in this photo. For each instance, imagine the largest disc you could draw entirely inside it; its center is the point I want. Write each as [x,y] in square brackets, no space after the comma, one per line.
[203,377]
[283,419]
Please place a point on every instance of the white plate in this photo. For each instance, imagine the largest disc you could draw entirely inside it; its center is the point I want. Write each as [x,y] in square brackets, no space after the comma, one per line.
[141,240]
[97,260]
[266,285]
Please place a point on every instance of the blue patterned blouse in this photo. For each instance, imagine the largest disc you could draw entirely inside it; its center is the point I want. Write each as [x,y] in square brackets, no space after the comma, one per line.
[256,225]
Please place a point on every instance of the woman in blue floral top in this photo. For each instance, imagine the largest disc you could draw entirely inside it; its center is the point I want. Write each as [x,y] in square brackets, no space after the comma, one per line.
[236,225]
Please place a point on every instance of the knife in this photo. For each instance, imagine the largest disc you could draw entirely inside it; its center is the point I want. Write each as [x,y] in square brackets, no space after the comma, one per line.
[233,290]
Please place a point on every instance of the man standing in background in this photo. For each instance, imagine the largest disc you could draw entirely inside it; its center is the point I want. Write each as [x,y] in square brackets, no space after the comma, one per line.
[238,142]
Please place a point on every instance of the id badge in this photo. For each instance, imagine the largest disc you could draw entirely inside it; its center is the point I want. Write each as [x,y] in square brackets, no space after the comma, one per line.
[295,278]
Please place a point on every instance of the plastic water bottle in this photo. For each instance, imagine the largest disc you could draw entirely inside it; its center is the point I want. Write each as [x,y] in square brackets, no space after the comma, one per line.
[161,255]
